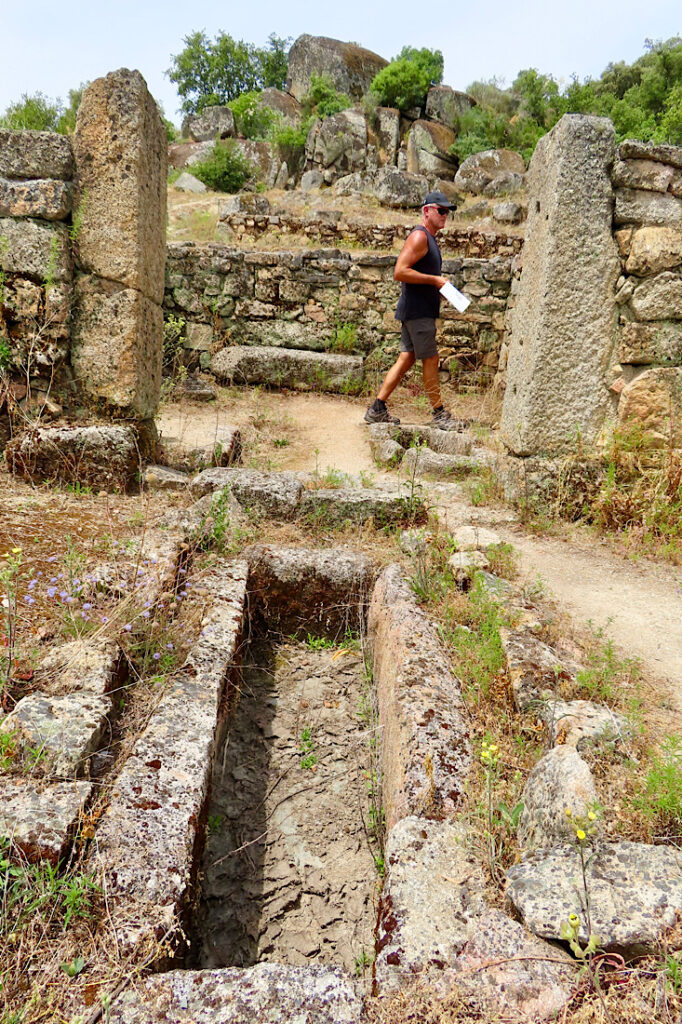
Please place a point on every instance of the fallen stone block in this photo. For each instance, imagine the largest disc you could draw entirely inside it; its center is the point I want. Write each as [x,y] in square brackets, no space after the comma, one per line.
[475,538]
[424,462]
[46,200]
[39,819]
[288,368]
[297,588]
[465,563]
[104,457]
[334,507]
[31,154]
[581,724]
[224,450]
[272,494]
[79,666]
[195,389]
[58,733]
[188,183]
[559,781]
[635,893]
[432,894]
[534,668]
[504,970]
[275,993]
[385,450]
[447,442]
[425,747]
[163,478]
[149,839]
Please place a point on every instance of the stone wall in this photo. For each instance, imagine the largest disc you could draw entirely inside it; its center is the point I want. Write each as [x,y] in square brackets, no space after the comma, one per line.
[301,299]
[648,230]
[82,250]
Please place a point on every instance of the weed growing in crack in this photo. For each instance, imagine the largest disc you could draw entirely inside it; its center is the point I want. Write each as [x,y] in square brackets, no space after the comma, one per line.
[606,673]
[661,792]
[307,749]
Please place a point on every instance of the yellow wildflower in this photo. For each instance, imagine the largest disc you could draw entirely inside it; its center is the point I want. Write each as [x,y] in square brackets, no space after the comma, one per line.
[580,834]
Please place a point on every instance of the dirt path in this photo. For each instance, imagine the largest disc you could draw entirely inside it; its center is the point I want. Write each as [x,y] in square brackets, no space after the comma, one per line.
[638,605]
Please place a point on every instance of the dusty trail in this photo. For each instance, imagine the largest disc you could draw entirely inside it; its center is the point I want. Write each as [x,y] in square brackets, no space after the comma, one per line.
[638,605]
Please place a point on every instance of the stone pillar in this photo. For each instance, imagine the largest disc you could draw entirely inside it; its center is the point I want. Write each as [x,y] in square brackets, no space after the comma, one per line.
[564,321]
[120,245]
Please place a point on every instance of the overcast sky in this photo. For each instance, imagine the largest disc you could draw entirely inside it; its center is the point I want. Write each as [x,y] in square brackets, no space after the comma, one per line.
[52,46]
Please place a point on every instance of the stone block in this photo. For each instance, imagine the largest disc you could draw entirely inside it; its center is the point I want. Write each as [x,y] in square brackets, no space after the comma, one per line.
[121,155]
[163,478]
[635,893]
[292,368]
[116,346]
[475,538]
[432,896]
[653,249]
[564,320]
[307,589]
[79,666]
[634,149]
[41,818]
[188,183]
[275,993]
[63,730]
[508,213]
[506,972]
[198,337]
[441,465]
[425,753]
[29,154]
[48,200]
[658,298]
[99,456]
[534,668]
[270,494]
[654,401]
[635,206]
[149,835]
[655,342]
[334,507]
[645,174]
[479,169]
[35,248]
[582,724]
[560,781]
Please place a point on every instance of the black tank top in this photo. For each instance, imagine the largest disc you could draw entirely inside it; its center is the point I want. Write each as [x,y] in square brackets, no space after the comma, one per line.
[422,300]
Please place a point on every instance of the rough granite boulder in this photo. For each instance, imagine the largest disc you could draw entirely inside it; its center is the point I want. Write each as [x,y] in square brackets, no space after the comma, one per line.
[399,189]
[121,155]
[564,320]
[188,183]
[36,248]
[428,149]
[338,144]
[288,368]
[320,590]
[534,668]
[31,155]
[581,724]
[433,893]
[645,174]
[559,781]
[654,401]
[504,970]
[653,249]
[635,206]
[656,342]
[479,169]
[45,199]
[283,104]
[275,993]
[635,893]
[41,818]
[350,67]
[99,456]
[474,538]
[270,494]
[447,105]
[425,753]
[387,134]
[211,123]
[658,298]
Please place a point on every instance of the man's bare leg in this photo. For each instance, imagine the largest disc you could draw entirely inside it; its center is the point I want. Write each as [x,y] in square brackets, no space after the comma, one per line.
[404,362]
[431,381]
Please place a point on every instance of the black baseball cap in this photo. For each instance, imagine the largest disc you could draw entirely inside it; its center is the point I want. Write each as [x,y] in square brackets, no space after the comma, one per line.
[438,199]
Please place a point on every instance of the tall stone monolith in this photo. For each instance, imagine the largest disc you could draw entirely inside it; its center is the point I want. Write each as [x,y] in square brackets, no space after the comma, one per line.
[563,329]
[121,157]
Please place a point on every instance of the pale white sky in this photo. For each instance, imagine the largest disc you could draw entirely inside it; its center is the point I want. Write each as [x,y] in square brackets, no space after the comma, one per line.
[51,47]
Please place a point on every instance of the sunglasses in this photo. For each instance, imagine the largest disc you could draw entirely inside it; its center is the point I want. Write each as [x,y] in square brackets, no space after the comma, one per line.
[443,210]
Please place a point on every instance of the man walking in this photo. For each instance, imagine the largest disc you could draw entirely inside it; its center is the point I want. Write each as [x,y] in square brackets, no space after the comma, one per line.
[418,268]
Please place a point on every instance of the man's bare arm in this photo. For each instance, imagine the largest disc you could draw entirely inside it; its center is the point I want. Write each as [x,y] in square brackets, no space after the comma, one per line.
[416,245]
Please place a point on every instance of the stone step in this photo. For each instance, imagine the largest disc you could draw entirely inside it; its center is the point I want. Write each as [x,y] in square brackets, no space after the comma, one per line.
[288,368]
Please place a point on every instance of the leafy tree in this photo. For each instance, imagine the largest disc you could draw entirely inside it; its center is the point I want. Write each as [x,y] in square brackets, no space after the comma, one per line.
[209,72]
[405,82]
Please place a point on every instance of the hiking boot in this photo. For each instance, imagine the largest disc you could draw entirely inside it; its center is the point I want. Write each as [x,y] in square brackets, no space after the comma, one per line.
[374,415]
[444,421]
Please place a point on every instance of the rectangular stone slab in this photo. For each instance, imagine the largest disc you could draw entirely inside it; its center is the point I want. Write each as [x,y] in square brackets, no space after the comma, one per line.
[147,842]
[40,819]
[47,199]
[35,248]
[29,154]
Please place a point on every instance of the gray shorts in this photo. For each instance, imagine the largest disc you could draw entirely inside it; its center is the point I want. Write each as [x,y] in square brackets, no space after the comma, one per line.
[419,337]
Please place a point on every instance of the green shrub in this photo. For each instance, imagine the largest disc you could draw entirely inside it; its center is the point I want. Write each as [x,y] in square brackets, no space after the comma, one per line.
[225,170]
[252,119]
[322,99]
[405,82]
[289,140]
[661,796]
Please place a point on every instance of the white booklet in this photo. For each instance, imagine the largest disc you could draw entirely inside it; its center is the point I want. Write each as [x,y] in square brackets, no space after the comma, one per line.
[454,297]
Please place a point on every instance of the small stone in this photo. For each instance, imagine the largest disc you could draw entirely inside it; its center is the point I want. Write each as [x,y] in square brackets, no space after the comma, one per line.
[40,818]
[162,478]
[581,724]
[559,780]
[465,563]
